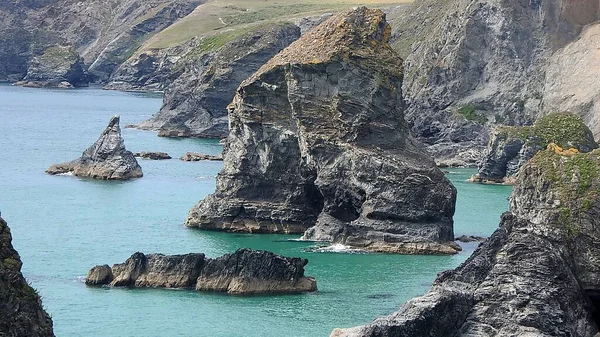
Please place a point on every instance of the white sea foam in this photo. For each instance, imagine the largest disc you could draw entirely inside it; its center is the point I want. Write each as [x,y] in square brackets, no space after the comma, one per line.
[337,248]
[65,174]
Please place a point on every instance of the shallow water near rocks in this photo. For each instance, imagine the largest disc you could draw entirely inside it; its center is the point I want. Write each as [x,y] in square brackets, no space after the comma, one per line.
[63,225]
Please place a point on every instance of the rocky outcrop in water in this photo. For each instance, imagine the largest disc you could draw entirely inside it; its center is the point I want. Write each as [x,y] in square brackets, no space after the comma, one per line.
[475,63]
[195,104]
[194,156]
[244,272]
[512,146]
[537,275]
[152,155]
[106,159]
[21,311]
[317,137]
[58,66]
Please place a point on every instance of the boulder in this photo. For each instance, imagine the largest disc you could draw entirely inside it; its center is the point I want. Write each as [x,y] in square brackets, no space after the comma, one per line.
[317,137]
[244,272]
[512,146]
[537,275]
[21,310]
[106,159]
[152,155]
[58,66]
[194,156]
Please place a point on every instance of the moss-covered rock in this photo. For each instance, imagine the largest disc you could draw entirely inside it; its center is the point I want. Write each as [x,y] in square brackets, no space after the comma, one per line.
[511,146]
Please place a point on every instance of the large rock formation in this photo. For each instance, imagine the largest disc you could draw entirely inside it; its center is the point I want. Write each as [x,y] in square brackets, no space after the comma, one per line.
[106,159]
[512,146]
[244,272]
[21,311]
[58,66]
[195,104]
[317,136]
[475,63]
[537,275]
[572,79]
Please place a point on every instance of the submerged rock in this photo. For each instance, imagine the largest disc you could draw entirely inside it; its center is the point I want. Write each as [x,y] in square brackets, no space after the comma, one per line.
[317,136]
[537,275]
[512,146]
[152,155]
[58,66]
[194,156]
[244,272]
[106,159]
[21,311]
[195,103]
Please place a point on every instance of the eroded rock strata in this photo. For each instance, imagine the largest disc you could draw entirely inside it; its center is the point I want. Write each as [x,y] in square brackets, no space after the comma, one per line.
[512,146]
[21,311]
[317,137]
[106,159]
[244,272]
[57,66]
[537,275]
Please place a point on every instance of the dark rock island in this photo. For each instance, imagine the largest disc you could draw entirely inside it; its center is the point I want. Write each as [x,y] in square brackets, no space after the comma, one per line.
[317,138]
[244,272]
[537,275]
[21,311]
[106,159]
[57,66]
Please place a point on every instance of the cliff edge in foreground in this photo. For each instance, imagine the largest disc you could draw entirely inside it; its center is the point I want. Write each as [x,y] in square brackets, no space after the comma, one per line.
[317,137]
[537,275]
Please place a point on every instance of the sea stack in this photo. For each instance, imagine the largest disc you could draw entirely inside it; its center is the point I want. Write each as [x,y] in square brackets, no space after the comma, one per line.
[244,272]
[318,138]
[106,159]
[537,275]
[21,310]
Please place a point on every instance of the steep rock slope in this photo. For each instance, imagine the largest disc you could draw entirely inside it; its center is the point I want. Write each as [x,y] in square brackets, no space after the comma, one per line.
[195,104]
[58,66]
[512,146]
[317,136]
[477,62]
[537,275]
[21,311]
[106,159]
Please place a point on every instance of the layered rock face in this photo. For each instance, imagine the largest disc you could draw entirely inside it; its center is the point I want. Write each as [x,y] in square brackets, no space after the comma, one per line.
[195,104]
[317,136]
[58,66]
[106,159]
[512,146]
[475,63]
[537,275]
[21,311]
[572,77]
[244,272]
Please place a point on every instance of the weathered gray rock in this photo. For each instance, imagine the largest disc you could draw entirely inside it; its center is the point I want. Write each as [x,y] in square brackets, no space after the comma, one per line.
[152,155]
[475,63]
[317,136]
[537,275]
[512,146]
[106,159]
[194,156]
[572,79]
[58,66]
[244,272]
[195,104]
[21,310]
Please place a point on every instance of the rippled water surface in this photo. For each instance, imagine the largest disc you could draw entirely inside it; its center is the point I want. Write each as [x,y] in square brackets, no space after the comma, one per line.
[64,225]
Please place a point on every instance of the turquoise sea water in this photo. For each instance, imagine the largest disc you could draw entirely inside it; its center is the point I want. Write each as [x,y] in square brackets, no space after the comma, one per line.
[63,225]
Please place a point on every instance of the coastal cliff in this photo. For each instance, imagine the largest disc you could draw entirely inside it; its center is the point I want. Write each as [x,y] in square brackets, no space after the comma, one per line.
[244,272]
[106,159]
[537,275]
[317,136]
[21,311]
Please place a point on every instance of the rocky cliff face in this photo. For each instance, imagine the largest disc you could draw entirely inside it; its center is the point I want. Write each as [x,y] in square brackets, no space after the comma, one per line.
[58,66]
[317,136]
[21,311]
[244,272]
[571,79]
[537,275]
[195,104]
[472,63]
[512,146]
[106,159]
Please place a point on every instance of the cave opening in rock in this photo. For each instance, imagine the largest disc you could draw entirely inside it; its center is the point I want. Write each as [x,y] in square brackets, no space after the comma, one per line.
[594,296]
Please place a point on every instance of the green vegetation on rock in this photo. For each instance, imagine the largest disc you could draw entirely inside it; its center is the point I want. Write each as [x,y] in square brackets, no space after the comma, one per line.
[470,113]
